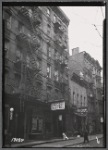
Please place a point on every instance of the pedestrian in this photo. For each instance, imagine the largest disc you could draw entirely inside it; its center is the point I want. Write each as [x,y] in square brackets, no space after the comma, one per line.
[86,135]
[65,136]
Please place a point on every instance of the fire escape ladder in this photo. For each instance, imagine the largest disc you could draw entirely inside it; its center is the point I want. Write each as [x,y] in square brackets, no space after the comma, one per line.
[26,73]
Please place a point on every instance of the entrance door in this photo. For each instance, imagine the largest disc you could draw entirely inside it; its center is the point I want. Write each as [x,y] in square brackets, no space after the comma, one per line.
[57,125]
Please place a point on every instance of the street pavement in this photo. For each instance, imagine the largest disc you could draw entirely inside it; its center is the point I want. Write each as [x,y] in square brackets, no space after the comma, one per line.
[73,141]
[92,143]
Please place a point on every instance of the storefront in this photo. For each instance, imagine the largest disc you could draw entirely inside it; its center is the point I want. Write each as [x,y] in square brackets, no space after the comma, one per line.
[58,116]
[35,120]
[80,120]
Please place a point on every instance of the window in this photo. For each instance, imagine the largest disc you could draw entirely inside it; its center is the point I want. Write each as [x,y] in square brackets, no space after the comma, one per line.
[73,97]
[55,18]
[78,99]
[56,55]
[20,28]
[37,124]
[56,94]
[81,100]
[48,51]
[9,22]
[30,13]
[6,48]
[48,71]
[49,93]
[84,102]
[18,55]
[56,75]
[61,58]
[38,62]
[48,12]
[28,61]
[66,77]
[48,29]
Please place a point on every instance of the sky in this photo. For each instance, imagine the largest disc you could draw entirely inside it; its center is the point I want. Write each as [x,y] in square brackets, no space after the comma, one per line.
[81,31]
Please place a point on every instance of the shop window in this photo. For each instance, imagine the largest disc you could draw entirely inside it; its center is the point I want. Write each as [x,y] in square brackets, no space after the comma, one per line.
[48,71]
[48,126]
[6,119]
[37,124]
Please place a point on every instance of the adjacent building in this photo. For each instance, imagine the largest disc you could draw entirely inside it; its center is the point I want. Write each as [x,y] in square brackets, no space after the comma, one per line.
[78,101]
[36,80]
[89,71]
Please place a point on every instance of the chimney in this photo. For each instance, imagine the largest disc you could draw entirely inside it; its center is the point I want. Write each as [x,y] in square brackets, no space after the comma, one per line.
[75,51]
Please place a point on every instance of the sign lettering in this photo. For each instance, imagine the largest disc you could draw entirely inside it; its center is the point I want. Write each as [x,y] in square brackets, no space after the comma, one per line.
[58,106]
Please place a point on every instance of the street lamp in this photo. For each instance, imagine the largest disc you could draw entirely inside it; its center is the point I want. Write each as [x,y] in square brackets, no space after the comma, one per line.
[11,113]
[101,119]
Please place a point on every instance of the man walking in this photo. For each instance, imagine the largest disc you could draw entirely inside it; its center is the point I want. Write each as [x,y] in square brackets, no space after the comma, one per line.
[86,135]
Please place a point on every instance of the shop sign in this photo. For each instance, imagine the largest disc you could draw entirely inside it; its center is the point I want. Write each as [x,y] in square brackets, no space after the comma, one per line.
[58,106]
[82,110]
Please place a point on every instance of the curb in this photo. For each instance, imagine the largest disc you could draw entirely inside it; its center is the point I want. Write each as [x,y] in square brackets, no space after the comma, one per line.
[80,142]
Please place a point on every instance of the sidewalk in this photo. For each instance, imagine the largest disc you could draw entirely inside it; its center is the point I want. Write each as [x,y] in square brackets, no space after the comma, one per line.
[75,140]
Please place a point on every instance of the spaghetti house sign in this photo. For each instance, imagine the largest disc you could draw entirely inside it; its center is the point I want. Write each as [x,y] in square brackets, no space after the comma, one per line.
[58,106]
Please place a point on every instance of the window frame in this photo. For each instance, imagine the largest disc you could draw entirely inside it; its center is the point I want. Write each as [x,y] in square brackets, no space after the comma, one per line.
[48,11]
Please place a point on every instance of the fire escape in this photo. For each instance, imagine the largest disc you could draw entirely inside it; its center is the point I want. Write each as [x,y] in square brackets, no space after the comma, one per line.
[62,62]
[30,46]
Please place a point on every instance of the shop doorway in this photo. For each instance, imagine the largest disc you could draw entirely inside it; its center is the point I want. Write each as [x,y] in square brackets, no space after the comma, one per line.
[57,125]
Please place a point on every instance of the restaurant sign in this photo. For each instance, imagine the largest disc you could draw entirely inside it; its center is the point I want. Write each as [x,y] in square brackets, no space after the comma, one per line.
[58,106]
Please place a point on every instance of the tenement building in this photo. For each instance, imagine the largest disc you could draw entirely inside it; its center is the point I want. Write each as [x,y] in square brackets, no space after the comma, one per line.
[36,80]
[78,101]
[88,90]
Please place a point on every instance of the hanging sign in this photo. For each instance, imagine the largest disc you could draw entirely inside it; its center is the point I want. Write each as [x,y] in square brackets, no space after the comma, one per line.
[81,111]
